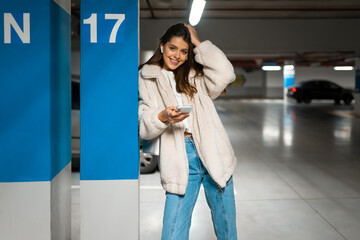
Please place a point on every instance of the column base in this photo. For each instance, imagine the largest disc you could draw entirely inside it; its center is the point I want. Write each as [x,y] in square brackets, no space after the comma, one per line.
[109,209]
[37,210]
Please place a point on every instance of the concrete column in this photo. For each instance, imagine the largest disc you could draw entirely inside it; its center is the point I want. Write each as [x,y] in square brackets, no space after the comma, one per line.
[109,176]
[289,77]
[357,85]
[35,122]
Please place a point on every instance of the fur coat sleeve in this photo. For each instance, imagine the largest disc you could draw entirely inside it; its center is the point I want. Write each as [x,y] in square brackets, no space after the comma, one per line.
[149,124]
[218,71]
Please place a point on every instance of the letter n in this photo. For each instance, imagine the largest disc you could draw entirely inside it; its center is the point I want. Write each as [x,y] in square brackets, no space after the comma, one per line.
[9,21]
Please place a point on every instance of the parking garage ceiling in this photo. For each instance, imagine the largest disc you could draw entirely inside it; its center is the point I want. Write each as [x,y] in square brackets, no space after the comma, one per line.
[254,9]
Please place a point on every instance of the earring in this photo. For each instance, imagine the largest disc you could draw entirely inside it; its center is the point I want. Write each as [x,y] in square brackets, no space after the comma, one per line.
[161,49]
[186,58]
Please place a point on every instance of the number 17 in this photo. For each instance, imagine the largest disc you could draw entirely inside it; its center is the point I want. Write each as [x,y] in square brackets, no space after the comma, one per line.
[92,20]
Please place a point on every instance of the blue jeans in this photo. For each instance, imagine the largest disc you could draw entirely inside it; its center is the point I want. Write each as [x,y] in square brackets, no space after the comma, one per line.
[179,208]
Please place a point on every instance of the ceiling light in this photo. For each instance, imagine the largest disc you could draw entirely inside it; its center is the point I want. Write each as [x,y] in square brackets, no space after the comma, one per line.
[271,68]
[343,68]
[197,9]
[289,67]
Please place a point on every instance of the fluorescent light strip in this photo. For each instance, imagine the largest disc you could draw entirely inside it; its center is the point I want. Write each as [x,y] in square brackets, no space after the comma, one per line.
[271,68]
[343,68]
[289,67]
[197,9]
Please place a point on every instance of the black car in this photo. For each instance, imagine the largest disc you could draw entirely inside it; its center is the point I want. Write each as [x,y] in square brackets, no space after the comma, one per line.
[320,89]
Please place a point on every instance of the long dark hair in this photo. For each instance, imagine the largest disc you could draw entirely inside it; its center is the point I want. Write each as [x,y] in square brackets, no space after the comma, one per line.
[182,72]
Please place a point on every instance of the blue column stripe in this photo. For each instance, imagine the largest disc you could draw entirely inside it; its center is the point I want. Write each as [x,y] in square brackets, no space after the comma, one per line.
[108,90]
[28,99]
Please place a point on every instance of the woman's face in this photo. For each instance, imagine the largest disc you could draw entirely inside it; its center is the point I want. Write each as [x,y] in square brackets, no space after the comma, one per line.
[175,53]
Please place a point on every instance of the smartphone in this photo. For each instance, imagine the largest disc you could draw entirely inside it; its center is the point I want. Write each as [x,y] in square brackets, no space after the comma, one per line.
[184,108]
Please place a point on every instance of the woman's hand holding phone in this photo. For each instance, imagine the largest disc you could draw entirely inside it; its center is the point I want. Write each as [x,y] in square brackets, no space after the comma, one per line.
[170,114]
[184,108]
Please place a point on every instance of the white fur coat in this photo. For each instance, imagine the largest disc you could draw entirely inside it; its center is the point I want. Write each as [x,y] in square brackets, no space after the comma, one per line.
[211,140]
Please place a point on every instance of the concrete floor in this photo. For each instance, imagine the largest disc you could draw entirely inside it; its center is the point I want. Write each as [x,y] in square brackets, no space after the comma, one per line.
[297,176]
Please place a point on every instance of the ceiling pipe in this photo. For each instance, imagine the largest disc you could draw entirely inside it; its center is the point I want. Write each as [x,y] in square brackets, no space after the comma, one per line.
[261,9]
[151,9]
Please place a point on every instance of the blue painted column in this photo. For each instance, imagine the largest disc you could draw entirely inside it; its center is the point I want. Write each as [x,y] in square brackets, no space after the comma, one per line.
[289,78]
[109,185]
[35,122]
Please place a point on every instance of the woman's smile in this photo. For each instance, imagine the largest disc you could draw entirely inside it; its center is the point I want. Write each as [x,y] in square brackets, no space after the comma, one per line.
[174,61]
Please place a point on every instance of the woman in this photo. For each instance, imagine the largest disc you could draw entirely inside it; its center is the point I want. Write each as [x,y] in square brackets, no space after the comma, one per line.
[194,147]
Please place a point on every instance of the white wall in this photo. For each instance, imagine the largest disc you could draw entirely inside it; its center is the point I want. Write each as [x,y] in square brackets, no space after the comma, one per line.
[253,86]
[274,84]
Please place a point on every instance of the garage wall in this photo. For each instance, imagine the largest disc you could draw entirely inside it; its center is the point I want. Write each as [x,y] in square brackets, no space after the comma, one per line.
[261,35]
[257,80]
[259,84]
[253,86]
[75,63]
[343,78]
[274,80]
[274,84]
[357,104]
[265,34]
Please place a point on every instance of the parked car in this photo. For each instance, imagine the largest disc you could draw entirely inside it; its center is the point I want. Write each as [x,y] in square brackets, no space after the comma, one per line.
[148,162]
[320,89]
